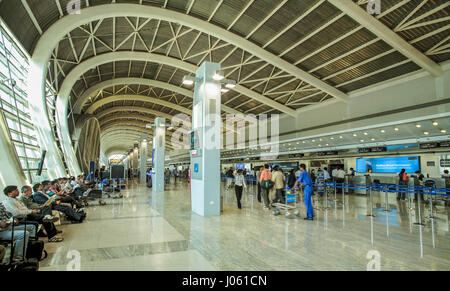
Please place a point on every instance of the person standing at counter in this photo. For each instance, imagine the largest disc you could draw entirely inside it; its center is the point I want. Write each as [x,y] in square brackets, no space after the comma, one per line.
[305,180]
[402,181]
[326,175]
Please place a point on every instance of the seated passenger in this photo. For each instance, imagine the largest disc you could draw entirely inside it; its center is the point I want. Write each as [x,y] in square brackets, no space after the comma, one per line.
[18,209]
[40,197]
[21,236]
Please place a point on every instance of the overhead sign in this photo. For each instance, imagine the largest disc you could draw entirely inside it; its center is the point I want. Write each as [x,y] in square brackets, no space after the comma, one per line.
[445,163]
[372,150]
[433,145]
[329,153]
[115,161]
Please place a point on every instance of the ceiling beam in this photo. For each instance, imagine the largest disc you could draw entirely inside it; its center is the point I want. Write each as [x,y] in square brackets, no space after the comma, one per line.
[142,98]
[90,92]
[387,35]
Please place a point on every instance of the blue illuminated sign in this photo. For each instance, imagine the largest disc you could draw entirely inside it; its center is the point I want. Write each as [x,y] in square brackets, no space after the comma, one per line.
[388,165]
[196,168]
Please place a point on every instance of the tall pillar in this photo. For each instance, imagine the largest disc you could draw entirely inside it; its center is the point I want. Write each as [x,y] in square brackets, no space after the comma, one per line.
[135,158]
[206,142]
[143,161]
[159,141]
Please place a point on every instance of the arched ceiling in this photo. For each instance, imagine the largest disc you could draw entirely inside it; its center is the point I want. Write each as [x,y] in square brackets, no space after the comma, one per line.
[284,54]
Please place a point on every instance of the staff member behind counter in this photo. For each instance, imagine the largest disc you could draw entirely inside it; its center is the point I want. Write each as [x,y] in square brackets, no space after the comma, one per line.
[305,180]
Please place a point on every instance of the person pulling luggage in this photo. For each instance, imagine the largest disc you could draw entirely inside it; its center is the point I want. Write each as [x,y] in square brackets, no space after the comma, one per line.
[305,180]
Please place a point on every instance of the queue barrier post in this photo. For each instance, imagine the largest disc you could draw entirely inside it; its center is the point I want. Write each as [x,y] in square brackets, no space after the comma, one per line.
[419,209]
[431,203]
[335,192]
[386,207]
[370,202]
[326,197]
[343,194]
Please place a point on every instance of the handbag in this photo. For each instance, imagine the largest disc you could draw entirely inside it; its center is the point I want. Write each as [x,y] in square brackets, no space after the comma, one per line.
[266,184]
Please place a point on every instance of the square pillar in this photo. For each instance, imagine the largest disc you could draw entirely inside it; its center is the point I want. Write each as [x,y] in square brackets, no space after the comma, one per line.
[159,141]
[206,142]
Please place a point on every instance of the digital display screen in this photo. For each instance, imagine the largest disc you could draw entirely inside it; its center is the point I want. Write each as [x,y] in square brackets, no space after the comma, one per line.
[240,167]
[388,165]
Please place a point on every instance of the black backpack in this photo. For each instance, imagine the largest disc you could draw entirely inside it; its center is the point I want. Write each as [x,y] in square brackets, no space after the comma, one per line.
[35,250]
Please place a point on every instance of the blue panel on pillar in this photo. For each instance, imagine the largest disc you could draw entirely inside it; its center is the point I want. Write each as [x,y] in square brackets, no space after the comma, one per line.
[196,168]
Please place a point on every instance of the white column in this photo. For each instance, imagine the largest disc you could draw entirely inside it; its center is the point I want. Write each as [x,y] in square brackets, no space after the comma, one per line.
[205,157]
[143,161]
[159,141]
[135,158]
[38,112]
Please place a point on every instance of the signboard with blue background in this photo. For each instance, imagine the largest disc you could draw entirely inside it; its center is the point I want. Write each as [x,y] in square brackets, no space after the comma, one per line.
[388,165]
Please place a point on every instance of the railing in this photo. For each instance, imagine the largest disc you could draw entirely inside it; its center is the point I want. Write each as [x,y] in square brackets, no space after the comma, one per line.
[431,191]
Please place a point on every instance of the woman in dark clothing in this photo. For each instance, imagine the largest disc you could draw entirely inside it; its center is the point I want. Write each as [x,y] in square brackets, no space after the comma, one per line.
[402,181]
[291,179]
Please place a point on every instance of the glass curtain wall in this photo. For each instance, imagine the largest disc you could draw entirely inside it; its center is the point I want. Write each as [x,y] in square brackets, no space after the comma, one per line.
[14,65]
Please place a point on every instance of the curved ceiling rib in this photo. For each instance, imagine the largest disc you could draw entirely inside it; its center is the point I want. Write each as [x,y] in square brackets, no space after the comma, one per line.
[78,106]
[142,98]
[125,116]
[149,111]
[93,62]
[65,25]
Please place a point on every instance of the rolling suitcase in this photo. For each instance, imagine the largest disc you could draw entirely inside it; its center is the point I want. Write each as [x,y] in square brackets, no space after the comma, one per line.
[25,265]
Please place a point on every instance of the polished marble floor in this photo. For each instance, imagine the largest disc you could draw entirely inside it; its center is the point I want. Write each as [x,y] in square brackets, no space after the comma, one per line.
[157,231]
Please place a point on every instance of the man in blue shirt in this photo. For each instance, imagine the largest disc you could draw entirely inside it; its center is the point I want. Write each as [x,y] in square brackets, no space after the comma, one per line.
[305,180]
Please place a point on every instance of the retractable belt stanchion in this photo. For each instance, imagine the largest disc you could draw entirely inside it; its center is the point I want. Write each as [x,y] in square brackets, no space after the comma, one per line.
[386,207]
[418,209]
[335,192]
[431,203]
[326,196]
[409,199]
[370,202]
[343,193]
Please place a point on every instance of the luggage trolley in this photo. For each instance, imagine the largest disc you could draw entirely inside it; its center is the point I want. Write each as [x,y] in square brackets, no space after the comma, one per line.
[290,204]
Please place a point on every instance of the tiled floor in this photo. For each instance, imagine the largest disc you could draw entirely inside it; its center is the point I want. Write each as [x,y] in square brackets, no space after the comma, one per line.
[145,231]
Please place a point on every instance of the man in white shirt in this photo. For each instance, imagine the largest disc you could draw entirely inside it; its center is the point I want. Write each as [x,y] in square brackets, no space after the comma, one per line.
[297,173]
[18,209]
[333,173]
[326,175]
[340,175]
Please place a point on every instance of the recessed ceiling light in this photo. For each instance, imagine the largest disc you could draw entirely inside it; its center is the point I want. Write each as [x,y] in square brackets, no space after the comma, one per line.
[418,125]
[372,139]
[435,123]
[341,137]
[327,144]
[443,131]
[366,133]
[362,140]
[313,140]
[320,145]
[332,138]
[383,131]
[355,135]
[396,129]
[426,133]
